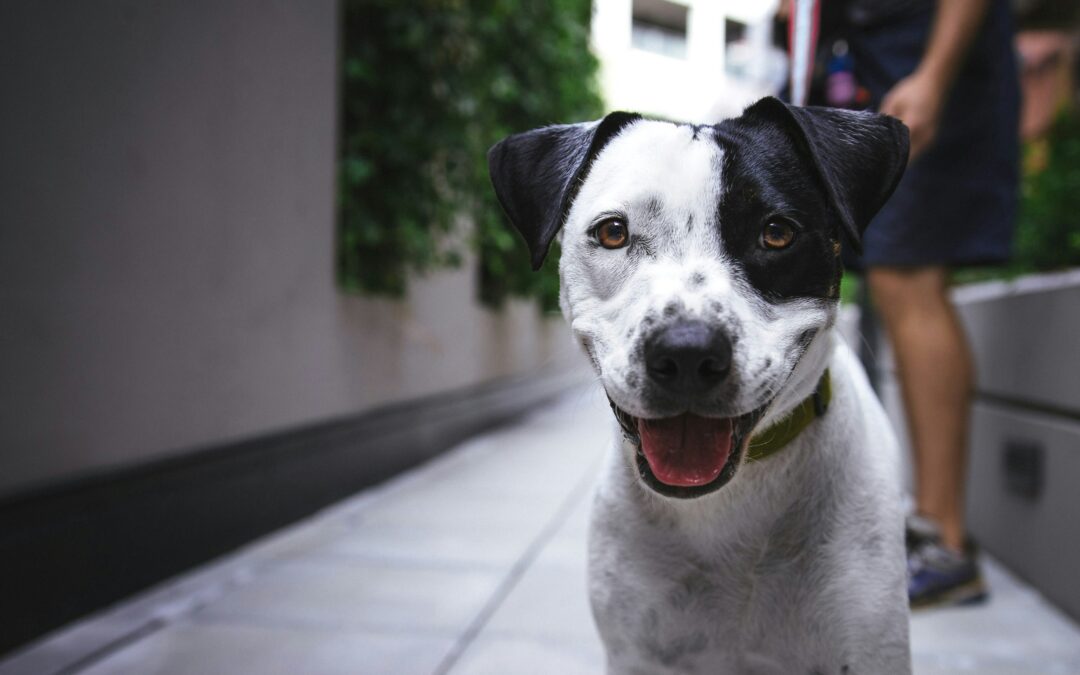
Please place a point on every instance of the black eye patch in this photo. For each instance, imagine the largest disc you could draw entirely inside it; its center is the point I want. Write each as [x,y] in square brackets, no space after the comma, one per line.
[766,179]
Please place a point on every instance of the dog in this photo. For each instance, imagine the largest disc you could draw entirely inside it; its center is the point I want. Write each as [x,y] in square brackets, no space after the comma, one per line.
[748,518]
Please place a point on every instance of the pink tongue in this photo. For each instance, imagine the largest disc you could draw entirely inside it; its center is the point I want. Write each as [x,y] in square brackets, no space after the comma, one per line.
[686,450]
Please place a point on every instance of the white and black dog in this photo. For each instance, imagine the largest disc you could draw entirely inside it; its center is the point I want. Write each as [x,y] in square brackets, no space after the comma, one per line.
[748,519]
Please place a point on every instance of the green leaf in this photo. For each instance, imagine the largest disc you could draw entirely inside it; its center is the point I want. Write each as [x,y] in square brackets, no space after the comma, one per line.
[427,87]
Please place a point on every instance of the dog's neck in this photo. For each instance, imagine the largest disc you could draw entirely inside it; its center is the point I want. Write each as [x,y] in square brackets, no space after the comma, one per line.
[773,439]
[803,380]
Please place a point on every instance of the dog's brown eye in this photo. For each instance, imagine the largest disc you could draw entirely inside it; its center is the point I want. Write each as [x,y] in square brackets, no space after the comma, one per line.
[777,234]
[613,233]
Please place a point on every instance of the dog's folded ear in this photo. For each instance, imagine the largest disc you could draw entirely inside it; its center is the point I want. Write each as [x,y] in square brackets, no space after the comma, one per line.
[537,173]
[859,156]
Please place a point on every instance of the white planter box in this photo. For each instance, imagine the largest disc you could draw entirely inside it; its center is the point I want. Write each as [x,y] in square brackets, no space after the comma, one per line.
[1025,335]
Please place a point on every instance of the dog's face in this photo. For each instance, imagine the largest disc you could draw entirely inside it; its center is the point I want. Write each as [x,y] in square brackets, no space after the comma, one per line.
[699,262]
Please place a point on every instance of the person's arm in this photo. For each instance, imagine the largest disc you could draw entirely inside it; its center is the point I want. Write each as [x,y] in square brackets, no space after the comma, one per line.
[919,98]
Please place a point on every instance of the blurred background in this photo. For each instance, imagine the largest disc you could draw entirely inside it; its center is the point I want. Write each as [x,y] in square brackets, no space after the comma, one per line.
[250,264]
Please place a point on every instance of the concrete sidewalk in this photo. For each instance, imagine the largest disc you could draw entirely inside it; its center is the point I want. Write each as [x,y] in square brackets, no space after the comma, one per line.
[473,563]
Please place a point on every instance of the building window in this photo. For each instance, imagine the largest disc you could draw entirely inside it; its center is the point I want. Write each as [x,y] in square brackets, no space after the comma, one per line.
[733,31]
[659,26]
[739,55]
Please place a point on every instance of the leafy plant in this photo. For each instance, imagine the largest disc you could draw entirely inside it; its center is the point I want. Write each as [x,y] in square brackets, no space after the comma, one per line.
[1048,231]
[1048,225]
[428,86]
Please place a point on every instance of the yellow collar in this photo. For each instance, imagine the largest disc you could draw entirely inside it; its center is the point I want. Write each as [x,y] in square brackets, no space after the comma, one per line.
[775,437]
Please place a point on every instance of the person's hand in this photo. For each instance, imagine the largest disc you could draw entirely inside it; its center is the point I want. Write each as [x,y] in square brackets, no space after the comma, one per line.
[916,101]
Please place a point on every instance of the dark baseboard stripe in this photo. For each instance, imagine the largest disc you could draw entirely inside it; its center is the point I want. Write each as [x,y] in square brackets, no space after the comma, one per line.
[70,549]
[1018,404]
[1010,401]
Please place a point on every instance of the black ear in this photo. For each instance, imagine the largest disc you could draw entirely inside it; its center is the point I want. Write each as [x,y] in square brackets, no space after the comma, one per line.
[860,156]
[537,173]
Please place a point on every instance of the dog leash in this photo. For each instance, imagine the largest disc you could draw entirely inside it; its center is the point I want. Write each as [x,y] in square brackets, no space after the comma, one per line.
[777,436]
[803,25]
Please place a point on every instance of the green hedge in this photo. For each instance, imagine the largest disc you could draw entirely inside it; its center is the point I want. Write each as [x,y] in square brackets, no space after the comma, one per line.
[1048,225]
[1048,231]
[428,86]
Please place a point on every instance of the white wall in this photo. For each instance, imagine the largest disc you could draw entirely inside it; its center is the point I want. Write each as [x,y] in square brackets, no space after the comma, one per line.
[167,244]
[692,89]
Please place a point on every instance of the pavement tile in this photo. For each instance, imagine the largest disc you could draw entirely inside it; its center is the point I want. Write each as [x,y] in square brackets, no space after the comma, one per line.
[567,546]
[1017,632]
[525,465]
[192,649]
[963,664]
[460,545]
[338,593]
[492,655]
[550,601]
[65,647]
[447,507]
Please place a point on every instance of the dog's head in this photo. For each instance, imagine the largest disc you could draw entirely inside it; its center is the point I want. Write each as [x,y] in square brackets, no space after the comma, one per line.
[699,262]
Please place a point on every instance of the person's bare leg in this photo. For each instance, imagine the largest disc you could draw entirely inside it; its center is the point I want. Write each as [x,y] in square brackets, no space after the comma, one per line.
[936,375]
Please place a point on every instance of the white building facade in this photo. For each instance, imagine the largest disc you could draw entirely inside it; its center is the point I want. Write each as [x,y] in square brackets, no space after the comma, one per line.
[686,60]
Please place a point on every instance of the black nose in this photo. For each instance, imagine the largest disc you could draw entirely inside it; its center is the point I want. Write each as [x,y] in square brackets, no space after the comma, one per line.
[689,357]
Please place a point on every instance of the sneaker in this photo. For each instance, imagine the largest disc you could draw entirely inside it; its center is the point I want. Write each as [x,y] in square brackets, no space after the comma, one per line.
[917,530]
[937,575]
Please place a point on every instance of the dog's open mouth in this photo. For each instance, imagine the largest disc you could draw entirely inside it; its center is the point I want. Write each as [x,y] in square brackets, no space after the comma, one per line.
[687,456]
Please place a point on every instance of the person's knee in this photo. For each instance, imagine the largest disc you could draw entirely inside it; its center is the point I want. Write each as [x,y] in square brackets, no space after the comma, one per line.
[897,290]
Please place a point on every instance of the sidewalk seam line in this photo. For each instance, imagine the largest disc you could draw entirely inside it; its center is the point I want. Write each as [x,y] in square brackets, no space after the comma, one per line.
[502,591]
[109,648]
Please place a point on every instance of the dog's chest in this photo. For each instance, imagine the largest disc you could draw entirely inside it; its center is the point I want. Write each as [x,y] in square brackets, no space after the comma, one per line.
[763,598]
[771,626]
[676,610]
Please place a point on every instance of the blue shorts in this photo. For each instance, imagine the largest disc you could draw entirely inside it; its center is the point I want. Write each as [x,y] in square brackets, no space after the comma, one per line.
[956,204]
